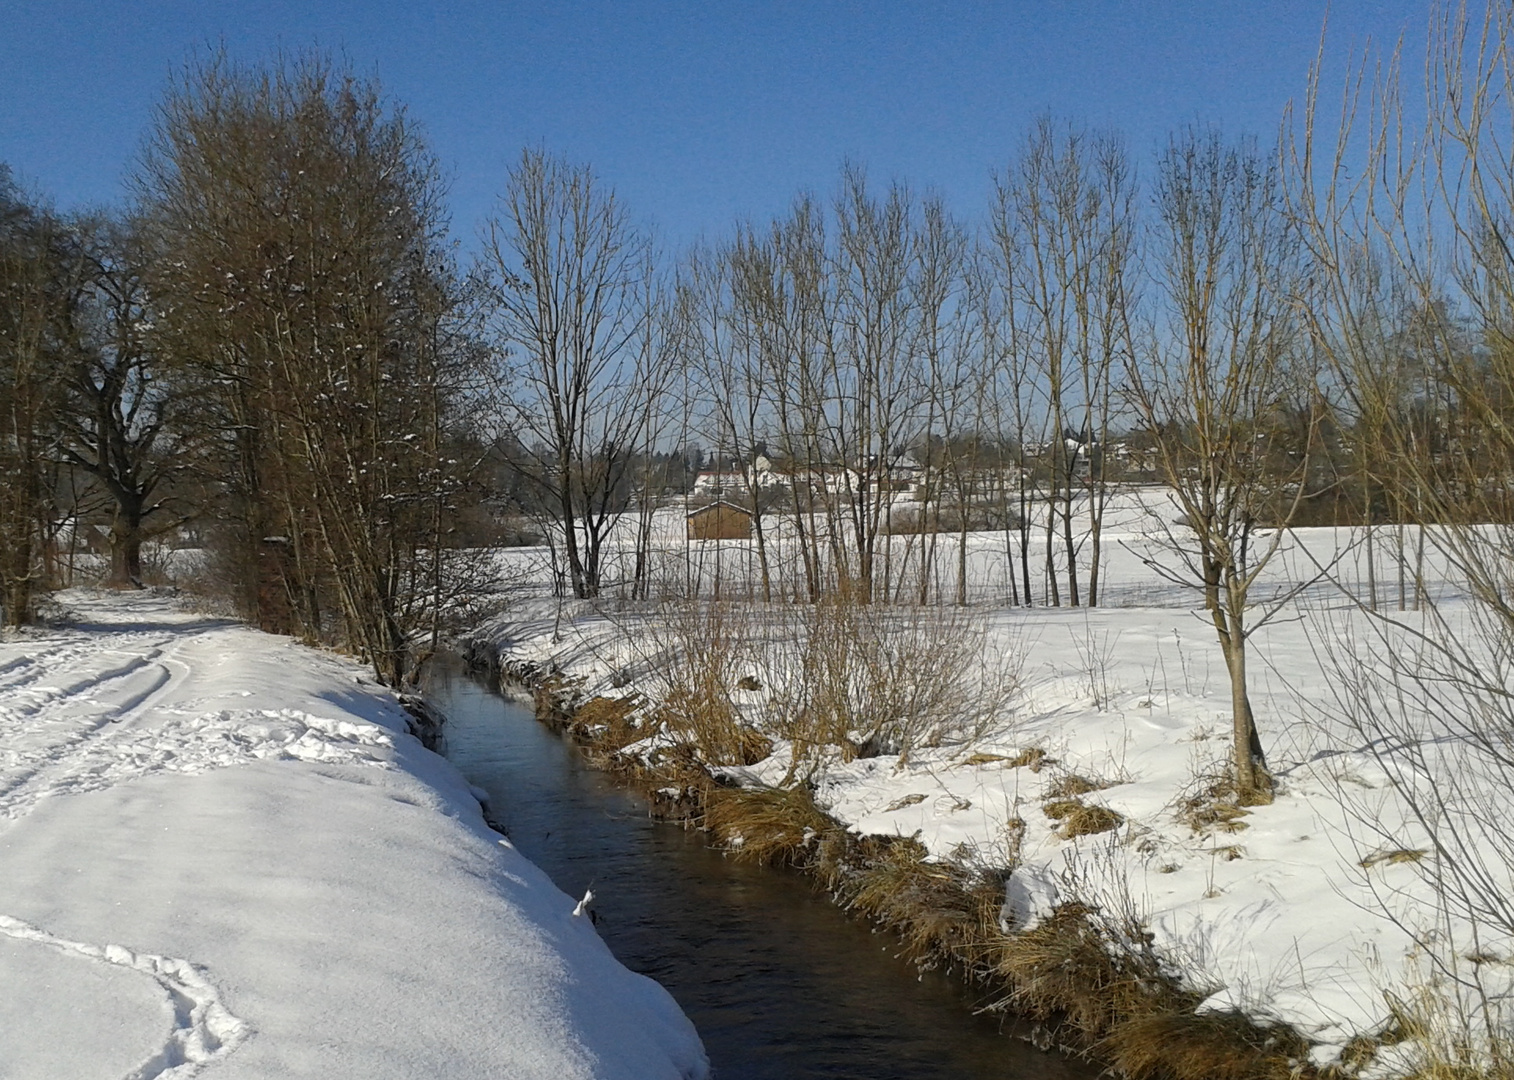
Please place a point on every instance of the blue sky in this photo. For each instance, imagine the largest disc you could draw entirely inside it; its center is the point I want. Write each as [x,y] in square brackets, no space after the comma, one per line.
[698,113]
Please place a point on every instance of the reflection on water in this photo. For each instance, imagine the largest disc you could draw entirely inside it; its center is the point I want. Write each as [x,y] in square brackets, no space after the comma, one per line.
[781,984]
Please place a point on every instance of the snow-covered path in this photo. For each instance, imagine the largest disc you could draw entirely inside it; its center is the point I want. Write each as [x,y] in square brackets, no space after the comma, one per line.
[221,852]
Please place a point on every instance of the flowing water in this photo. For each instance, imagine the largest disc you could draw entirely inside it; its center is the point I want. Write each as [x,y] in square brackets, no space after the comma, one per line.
[780,983]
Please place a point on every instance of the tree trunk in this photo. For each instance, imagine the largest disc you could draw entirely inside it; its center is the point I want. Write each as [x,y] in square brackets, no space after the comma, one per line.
[1252,780]
[126,545]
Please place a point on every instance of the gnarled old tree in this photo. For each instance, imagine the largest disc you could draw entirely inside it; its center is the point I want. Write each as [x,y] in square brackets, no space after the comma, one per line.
[304,293]
[115,425]
[1226,362]
[578,329]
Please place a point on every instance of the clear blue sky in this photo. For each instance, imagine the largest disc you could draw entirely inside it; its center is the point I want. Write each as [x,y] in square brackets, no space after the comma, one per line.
[698,113]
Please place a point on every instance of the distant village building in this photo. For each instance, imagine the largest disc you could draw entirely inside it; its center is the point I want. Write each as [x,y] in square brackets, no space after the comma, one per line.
[720,482]
[720,521]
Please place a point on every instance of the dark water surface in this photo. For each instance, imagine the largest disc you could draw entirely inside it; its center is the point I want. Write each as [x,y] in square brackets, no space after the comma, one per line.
[780,983]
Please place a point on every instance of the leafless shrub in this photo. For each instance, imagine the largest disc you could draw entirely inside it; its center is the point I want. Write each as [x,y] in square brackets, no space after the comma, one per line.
[704,652]
[872,680]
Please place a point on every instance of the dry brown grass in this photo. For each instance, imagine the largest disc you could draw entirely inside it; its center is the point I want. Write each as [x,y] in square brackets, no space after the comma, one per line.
[1080,819]
[1212,804]
[702,714]
[1184,1045]
[605,722]
[1072,785]
[1395,857]
[1106,989]
[1033,758]
[767,825]
[937,908]
[1066,968]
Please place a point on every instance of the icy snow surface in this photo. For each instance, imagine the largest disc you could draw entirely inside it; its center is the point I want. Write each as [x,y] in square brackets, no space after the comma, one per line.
[221,852]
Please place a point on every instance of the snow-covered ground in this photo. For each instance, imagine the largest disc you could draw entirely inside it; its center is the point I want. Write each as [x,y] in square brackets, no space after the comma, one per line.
[1305,911]
[220,851]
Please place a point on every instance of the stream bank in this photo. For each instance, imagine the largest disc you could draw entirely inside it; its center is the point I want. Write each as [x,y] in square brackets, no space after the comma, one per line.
[1084,980]
[780,983]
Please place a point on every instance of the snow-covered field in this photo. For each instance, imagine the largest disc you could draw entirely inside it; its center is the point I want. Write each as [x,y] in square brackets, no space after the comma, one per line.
[1307,911]
[221,851]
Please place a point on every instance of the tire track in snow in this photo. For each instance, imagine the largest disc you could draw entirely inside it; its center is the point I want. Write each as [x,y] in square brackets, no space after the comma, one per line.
[24,764]
[198,744]
[45,734]
[24,670]
[204,1030]
[50,698]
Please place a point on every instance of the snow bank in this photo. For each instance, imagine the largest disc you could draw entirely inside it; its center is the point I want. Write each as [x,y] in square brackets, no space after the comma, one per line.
[220,850]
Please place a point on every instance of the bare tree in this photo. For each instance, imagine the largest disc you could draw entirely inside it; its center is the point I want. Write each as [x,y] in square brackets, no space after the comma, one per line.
[116,424]
[1064,215]
[39,289]
[1210,392]
[730,377]
[304,294]
[576,295]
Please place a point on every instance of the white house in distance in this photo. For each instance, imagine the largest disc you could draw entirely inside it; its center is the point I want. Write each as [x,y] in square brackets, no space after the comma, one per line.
[730,481]
[828,480]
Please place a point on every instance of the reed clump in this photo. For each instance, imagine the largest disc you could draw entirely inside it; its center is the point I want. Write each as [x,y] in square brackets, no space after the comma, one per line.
[1182,1044]
[938,908]
[768,825]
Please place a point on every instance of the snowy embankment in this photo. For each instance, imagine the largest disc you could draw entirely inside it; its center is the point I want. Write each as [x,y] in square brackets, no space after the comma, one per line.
[220,850]
[1313,911]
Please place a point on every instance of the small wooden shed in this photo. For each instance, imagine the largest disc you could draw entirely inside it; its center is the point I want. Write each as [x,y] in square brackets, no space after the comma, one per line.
[720,520]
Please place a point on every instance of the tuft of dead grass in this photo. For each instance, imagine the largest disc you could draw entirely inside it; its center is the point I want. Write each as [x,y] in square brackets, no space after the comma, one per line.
[1033,758]
[1395,857]
[606,722]
[767,825]
[938,908]
[1214,805]
[1184,1045]
[1065,968]
[1072,785]
[1080,819]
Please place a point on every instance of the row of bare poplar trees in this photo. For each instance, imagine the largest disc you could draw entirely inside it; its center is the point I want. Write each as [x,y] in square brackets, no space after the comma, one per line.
[1273,341]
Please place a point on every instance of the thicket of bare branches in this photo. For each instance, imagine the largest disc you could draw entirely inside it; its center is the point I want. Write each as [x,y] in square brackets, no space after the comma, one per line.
[40,282]
[303,298]
[577,319]
[1408,226]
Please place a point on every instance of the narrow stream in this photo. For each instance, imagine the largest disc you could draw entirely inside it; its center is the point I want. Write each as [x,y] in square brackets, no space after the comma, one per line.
[780,983]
